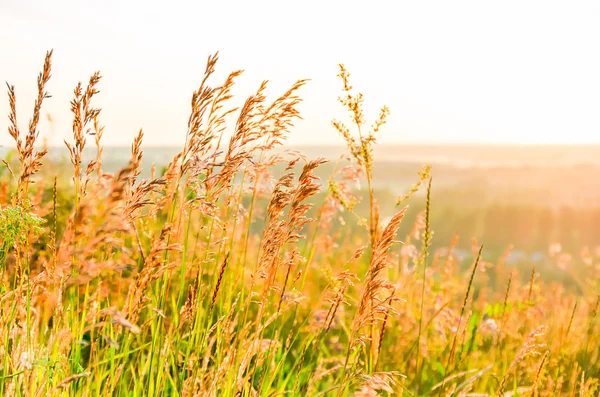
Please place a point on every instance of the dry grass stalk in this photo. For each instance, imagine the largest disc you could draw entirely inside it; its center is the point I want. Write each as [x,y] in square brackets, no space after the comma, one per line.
[219,280]
[538,373]
[83,115]
[370,303]
[30,159]
[529,347]
[152,270]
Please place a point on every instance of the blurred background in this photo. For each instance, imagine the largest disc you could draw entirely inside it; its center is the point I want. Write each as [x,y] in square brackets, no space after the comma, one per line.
[504,106]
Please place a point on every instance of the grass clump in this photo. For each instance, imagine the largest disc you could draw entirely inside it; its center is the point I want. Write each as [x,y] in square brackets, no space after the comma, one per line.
[185,284]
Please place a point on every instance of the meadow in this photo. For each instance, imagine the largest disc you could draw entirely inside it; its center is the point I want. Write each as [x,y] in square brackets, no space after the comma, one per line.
[237,271]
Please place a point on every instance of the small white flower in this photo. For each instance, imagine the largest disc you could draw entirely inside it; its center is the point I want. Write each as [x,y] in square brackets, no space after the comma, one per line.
[26,360]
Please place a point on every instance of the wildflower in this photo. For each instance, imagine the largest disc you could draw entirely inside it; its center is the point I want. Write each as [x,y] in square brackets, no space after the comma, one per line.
[554,249]
[318,318]
[586,256]
[26,360]
[563,260]
[488,326]
[409,250]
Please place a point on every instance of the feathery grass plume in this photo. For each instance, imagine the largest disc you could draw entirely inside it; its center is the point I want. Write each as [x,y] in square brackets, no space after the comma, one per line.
[30,159]
[424,175]
[371,306]
[361,145]
[197,141]
[110,219]
[258,128]
[341,196]
[136,157]
[83,114]
[140,197]
[152,269]
[286,231]
[374,283]
[344,280]
[280,116]
[529,347]
[171,175]
[306,188]
[335,296]
[380,381]
[273,239]
[206,124]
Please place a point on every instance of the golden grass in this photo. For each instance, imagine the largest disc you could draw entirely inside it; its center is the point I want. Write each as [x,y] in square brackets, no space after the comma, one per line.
[221,279]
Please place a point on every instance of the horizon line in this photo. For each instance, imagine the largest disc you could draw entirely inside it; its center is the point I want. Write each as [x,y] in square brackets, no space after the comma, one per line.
[336,145]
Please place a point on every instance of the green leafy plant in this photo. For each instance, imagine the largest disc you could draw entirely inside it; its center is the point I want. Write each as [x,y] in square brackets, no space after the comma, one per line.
[16,225]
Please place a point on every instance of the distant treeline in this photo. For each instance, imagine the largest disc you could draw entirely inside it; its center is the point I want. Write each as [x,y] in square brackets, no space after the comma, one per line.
[528,207]
[527,227]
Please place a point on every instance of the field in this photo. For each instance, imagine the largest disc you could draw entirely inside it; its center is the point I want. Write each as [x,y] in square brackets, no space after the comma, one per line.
[240,267]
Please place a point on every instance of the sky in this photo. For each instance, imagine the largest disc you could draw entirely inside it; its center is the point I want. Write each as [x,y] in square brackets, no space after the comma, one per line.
[452,72]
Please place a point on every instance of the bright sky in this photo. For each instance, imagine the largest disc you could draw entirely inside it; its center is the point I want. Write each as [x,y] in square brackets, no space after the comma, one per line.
[451,71]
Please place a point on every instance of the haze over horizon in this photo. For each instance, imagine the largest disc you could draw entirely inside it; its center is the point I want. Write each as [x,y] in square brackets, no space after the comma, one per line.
[517,73]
